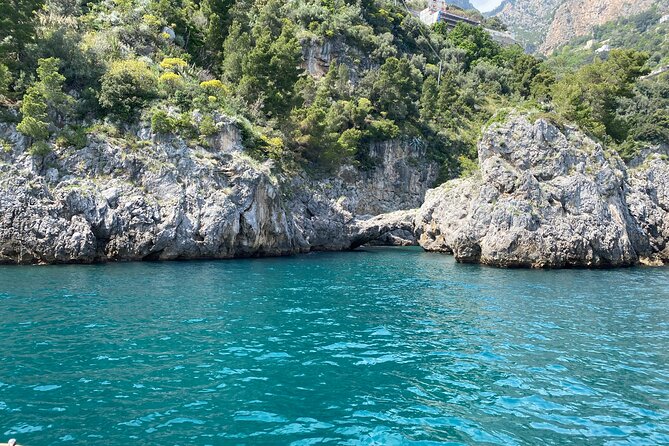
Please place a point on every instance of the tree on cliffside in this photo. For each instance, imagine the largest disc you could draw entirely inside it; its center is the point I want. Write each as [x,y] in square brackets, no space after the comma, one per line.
[17,27]
[590,96]
[45,105]
[271,69]
[217,13]
[476,42]
[397,88]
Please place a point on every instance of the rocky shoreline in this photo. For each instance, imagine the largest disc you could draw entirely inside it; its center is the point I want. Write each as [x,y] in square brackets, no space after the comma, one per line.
[543,197]
[547,197]
[164,199]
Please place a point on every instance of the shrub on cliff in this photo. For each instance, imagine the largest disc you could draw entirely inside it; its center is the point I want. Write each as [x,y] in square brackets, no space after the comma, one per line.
[126,88]
[161,122]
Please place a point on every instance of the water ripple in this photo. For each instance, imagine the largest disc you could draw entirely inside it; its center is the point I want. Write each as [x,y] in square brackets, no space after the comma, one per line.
[383,347]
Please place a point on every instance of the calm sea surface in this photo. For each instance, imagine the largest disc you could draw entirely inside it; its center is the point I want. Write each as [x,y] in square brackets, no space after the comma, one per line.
[383,346]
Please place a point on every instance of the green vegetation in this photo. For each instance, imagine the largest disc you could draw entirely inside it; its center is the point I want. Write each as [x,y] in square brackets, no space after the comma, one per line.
[44,105]
[602,86]
[126,87]
[589,96]
[642,32]
[608,99]
[311,82]
[17,29]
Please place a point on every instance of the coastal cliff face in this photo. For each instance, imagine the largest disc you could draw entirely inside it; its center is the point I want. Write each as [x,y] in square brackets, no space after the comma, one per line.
[164,199]
[546,197]
[545,25]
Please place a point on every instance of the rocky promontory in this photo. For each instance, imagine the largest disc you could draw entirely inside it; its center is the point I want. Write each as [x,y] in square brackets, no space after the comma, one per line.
[547,196]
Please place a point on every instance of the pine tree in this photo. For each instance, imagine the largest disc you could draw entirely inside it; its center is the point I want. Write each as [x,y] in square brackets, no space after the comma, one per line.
[17,27]
[44,104]
[428,99]
[217,13]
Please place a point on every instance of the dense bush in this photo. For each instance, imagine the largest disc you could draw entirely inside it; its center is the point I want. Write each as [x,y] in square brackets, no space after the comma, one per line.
[161,122]
[310,81]
[126,87]
[72,136]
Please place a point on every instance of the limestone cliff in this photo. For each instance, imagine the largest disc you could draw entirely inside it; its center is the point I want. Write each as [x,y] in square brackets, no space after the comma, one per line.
[528,20]
[163,199]
[549,197]
[544,197]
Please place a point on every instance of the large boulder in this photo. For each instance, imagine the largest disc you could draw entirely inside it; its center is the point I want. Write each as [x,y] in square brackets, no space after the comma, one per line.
[548,197]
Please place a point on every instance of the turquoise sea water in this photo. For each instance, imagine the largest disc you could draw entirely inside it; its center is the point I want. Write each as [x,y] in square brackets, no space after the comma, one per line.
[383,346]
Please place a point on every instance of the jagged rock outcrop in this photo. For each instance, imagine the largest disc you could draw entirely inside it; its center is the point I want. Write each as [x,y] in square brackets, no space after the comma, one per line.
[161,199]
[546,197]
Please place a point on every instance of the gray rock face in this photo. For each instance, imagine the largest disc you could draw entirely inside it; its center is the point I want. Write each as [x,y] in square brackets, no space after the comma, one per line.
[648,199]
[544,197]
[167,202]
[548,198]
[162,199]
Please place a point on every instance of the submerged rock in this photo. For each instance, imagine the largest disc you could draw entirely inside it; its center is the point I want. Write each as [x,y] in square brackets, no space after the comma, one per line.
[548,197]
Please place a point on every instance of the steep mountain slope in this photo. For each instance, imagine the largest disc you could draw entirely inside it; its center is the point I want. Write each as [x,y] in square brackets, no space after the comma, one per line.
[575,18]
[464,4]
[647,32]
[529,20]
[544,25]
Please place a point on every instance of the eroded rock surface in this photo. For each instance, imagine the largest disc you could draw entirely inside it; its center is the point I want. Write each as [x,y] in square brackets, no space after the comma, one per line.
[162,199]
[546,197]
